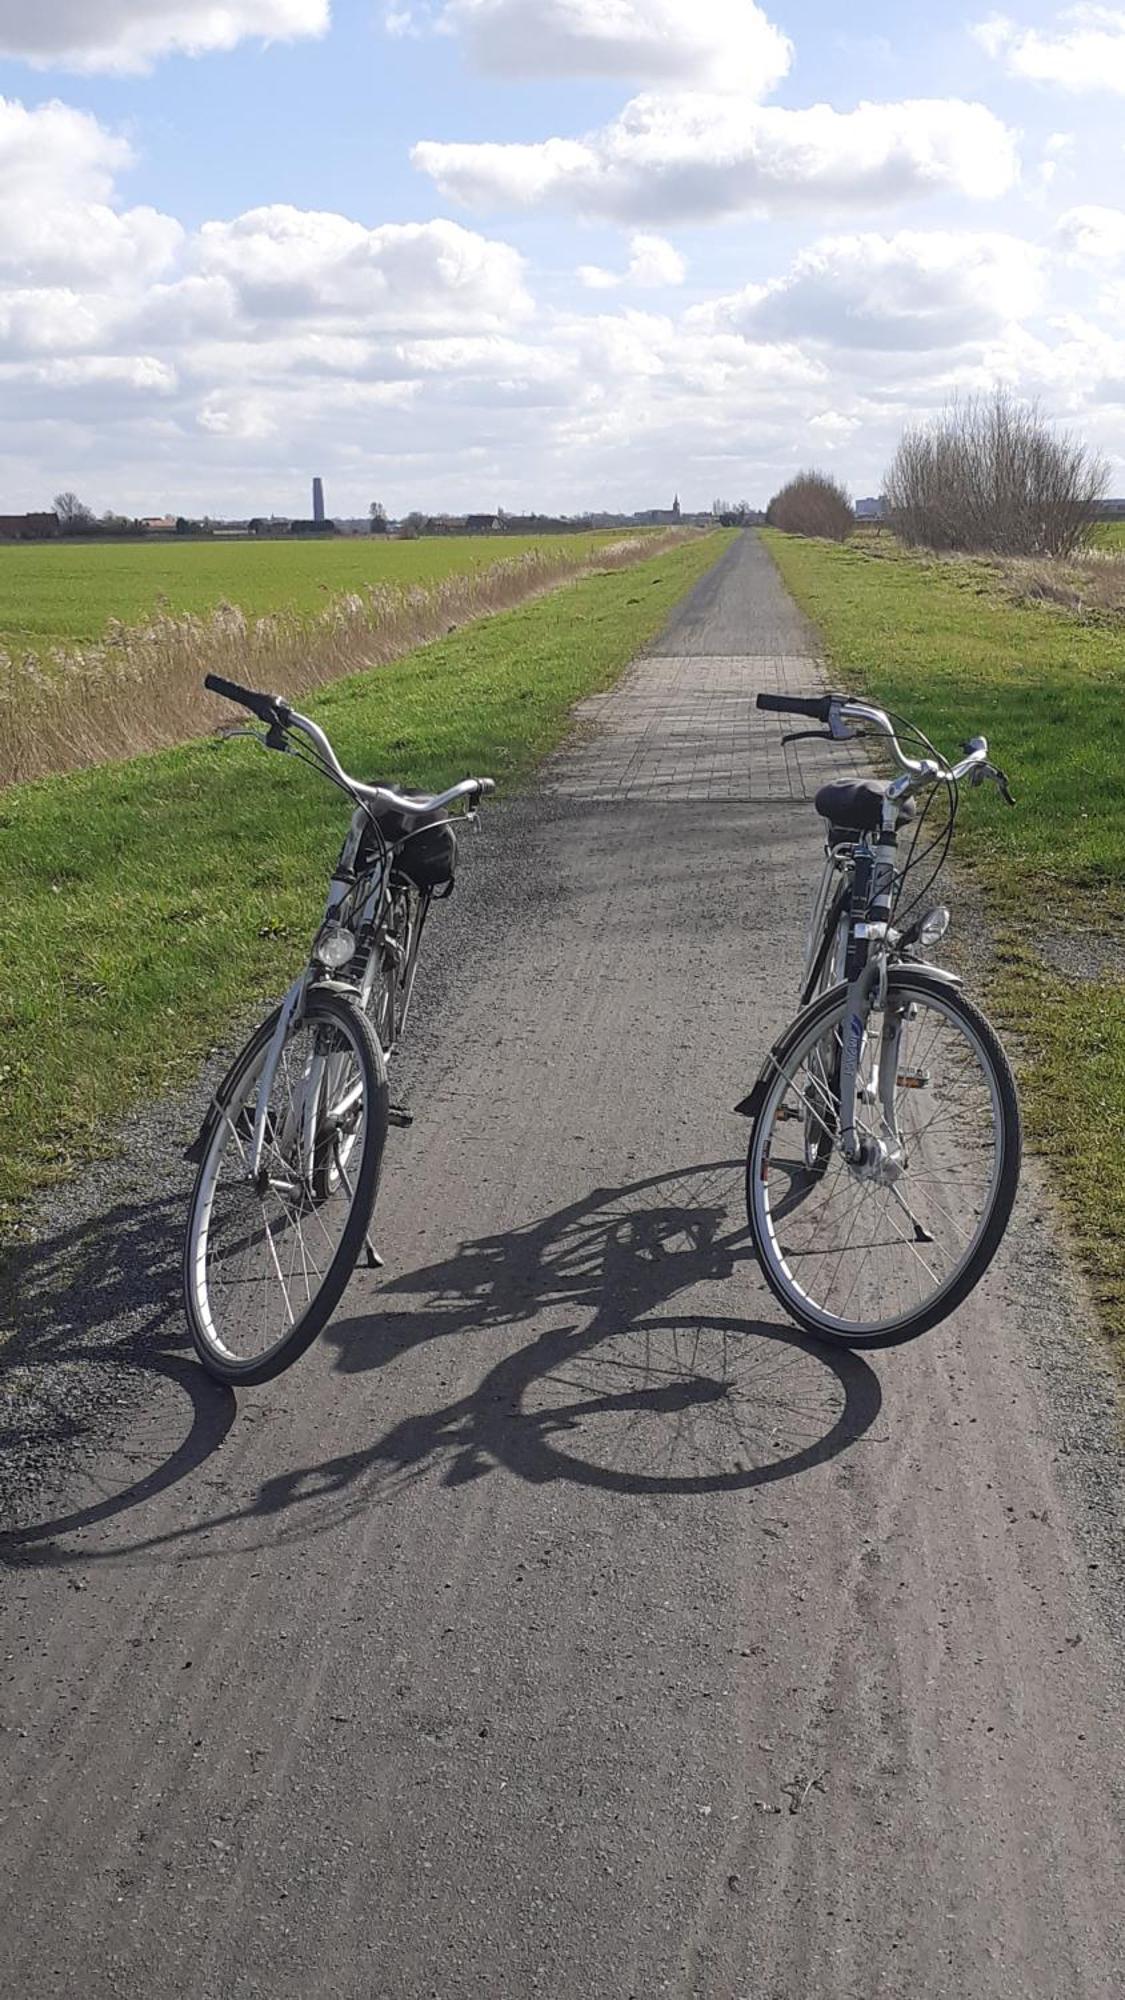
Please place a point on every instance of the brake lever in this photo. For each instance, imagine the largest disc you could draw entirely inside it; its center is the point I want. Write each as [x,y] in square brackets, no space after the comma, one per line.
[992,774]
[273,738]
[801,735]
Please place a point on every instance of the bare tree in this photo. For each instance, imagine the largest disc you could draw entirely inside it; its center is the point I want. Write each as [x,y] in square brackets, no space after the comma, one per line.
[813,504]
[74,517]
[377,515]
[992,474]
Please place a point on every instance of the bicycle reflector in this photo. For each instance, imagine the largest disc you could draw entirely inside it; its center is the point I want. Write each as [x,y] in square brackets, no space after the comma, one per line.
[333,947]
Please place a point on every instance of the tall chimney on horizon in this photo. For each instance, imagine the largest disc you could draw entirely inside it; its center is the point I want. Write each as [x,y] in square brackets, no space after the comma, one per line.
[318,500]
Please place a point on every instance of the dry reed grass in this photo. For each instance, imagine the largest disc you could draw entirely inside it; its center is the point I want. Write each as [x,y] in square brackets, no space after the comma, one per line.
[140,688]
[1090,585]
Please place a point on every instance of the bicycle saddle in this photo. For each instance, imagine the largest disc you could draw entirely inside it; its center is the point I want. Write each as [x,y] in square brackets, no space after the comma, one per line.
[858,805]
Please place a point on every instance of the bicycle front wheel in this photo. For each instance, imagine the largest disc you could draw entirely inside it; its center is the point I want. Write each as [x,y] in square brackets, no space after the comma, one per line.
[879,1253]
[268,1256]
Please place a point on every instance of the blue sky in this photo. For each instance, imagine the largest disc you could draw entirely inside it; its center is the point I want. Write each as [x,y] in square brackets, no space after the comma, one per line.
[554,253]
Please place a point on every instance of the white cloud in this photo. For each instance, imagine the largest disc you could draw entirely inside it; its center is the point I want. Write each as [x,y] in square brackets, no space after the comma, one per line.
[57,169]
[304,263]
[700,157]
[912,292]
[1084,51]
[1092,235]
[653,263]
[725,45]
[129,35]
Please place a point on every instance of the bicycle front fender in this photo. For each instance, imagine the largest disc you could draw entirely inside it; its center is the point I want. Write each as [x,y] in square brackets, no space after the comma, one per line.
[224,1090]
[750,1105]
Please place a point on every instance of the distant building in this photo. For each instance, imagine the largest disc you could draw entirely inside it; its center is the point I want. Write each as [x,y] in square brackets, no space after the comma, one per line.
[159,524]
[871,509]
[481,524]
[28,527]
[318,501]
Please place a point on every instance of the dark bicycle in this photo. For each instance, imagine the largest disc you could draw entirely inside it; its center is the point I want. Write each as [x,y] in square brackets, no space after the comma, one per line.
[885,1151]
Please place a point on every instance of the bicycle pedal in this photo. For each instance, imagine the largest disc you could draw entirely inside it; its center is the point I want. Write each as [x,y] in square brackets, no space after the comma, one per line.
[397,1115]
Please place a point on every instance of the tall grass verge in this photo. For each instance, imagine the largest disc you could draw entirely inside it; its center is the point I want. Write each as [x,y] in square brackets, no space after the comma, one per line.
[139,689]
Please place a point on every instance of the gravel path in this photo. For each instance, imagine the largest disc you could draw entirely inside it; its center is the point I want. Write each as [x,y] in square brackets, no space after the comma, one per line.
[565,1624]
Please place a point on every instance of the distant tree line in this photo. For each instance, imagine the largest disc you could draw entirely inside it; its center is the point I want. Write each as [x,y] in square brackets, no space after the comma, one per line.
[75,518]
[991,475]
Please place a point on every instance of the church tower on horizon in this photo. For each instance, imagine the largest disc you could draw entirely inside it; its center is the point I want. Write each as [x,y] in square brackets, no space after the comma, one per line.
[676,508]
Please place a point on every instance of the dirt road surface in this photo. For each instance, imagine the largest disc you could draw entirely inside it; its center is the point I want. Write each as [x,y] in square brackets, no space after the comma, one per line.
[565,1624]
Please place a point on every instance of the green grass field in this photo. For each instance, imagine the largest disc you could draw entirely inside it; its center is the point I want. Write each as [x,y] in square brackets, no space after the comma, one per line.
[145,906]
[941,643]
[1110,535]
[61,593]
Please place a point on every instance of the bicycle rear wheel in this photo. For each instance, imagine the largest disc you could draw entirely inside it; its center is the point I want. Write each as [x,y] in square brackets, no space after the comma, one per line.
[880,1254]
[267,1259]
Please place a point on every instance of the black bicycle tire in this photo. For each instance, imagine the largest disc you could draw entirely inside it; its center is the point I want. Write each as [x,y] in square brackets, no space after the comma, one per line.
[248,1374]
[1007,1181]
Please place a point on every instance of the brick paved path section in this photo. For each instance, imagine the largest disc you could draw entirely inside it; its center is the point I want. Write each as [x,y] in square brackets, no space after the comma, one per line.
[678,728]
[683,725]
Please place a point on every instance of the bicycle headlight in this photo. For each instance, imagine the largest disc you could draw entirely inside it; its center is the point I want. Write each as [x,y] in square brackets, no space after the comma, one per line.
[333,947]
[933,926]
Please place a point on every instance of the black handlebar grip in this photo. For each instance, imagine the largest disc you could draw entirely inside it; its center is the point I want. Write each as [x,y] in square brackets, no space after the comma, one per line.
[268,707]
[818,707]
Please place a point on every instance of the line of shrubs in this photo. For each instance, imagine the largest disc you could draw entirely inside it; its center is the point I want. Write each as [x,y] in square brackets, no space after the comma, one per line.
[990,474]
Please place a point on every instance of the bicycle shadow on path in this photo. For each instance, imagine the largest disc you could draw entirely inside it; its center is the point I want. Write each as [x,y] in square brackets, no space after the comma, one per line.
[633,1396]
[85,1312]
[628,1392]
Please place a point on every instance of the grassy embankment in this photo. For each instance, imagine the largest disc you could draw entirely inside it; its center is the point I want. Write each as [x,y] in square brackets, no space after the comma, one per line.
[66,593]
[143,905]
[944,643]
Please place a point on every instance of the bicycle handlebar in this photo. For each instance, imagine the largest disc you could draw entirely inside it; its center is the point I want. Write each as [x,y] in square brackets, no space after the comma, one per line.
[837,710]
[819,708]
[267,707]
[271,709]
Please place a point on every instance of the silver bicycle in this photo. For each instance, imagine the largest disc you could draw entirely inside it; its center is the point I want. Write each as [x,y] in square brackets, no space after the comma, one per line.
[884,1156]
[291,1146]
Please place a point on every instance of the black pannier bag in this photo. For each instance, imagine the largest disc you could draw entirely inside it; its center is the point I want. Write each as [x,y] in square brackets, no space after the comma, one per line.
[428,854]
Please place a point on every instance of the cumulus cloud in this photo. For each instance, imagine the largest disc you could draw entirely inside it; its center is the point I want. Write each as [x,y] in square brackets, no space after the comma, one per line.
[291,262]
[57,169]
[726,45]
[1085,50]
[912,292]
[1092,235]
[653,263]
[129,35]
[695,158]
